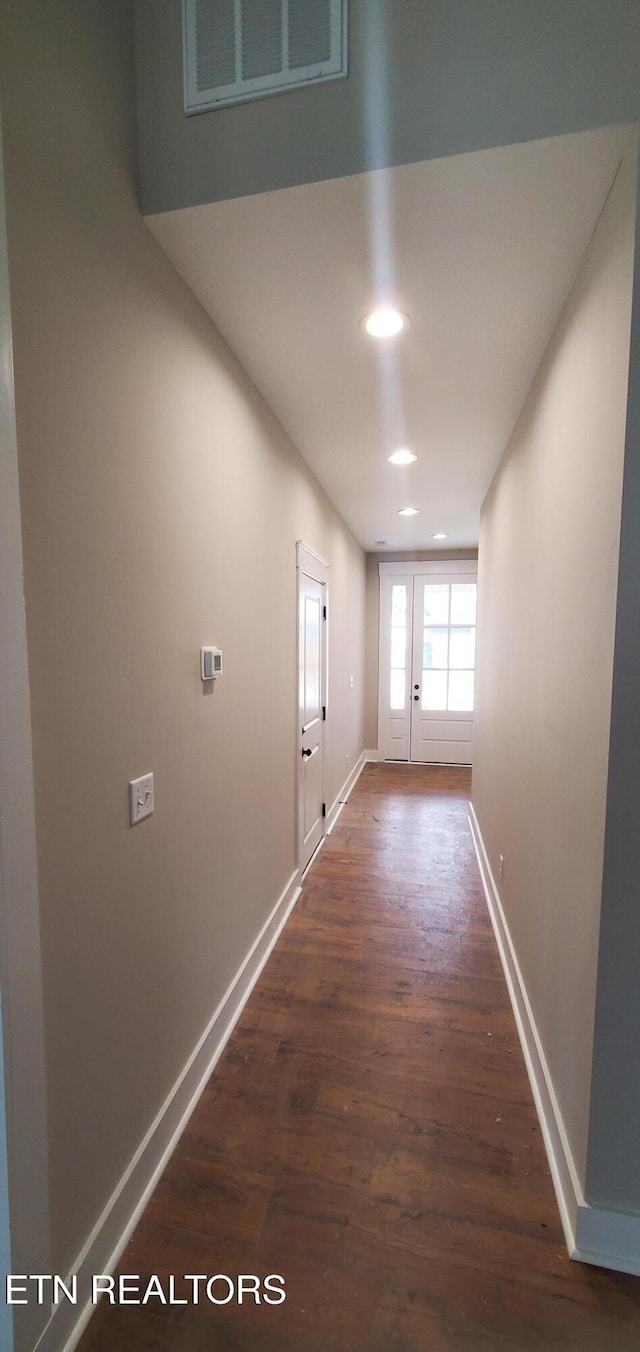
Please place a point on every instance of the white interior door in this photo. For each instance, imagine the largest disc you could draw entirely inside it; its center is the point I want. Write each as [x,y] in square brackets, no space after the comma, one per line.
[426,661]
[311,706]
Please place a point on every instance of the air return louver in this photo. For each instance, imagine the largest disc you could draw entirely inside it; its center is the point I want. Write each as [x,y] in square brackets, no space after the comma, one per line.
[236,50]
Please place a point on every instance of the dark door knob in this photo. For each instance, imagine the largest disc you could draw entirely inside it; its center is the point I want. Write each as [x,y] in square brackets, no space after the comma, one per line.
[309,752]
[416,697]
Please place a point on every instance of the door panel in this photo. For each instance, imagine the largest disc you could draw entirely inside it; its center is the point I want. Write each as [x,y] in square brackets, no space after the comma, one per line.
[311,656]
[312,771]
[443,669]
[435,729]
[311,697]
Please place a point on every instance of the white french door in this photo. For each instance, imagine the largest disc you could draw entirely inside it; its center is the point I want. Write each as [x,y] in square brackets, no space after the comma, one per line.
[426,661]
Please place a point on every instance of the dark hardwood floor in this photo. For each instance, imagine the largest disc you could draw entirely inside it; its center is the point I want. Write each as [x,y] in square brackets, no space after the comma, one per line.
[369,1133]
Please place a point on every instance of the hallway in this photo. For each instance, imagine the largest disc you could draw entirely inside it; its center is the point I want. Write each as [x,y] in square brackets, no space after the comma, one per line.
[369,1132]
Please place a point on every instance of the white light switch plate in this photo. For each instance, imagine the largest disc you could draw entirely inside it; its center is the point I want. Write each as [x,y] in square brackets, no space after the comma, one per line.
[140,798]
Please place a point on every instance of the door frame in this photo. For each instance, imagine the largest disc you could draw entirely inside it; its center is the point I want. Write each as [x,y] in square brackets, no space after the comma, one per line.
[404,571]
[24,1195]
[313,565]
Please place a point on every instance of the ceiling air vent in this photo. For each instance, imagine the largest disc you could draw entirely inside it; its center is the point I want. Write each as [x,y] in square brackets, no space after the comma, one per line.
[236,50]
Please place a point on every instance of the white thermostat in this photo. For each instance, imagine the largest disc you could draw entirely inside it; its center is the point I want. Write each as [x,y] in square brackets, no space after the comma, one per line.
[210,663]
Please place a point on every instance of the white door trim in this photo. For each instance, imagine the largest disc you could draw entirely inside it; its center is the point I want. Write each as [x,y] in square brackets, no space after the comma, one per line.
[311,559]
[418,567]
[20,970]
[311,563]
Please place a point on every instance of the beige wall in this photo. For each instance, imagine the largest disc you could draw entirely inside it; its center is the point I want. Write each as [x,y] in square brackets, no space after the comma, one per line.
[547,578]
[161,502]
[373,625]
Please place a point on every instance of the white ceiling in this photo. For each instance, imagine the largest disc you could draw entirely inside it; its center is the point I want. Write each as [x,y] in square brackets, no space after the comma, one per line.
[481,250]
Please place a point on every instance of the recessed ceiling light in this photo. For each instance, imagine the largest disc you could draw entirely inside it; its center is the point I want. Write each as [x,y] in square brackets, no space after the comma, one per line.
[440,536]
[385,322]
[402,457]
[408,511]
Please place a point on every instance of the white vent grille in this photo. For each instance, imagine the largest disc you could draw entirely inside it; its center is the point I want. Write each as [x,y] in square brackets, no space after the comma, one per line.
[236,50]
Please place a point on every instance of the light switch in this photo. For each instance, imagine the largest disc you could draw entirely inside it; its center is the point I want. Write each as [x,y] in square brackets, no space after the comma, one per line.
[140,799]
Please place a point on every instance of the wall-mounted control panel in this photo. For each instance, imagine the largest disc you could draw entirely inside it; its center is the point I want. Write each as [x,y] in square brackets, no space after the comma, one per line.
[140,798]
[210,663]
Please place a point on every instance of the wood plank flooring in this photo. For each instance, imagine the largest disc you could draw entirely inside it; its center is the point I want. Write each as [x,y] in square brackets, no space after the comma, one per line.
[369,1133]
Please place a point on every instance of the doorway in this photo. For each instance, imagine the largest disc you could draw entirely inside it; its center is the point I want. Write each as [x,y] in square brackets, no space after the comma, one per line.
[24,1202]
[427,660]
[311,702]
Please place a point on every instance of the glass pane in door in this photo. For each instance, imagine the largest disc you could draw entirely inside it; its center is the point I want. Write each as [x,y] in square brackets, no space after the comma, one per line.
[399,606]
[398,690]
[435,648]
[448,646]
[398,655]
[462,648]
[463,602]
[460,696]
[436,603]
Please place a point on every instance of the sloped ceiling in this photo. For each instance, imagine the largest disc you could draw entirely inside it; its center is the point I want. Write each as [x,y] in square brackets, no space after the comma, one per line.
[480,250]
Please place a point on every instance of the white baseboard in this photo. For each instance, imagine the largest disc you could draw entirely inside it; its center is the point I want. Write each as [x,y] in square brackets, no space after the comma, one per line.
[341,798]
[608,1239]
[371,755]
[113,1229]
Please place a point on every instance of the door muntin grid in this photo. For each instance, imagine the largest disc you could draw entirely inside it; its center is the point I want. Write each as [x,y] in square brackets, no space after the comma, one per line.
[448,647]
